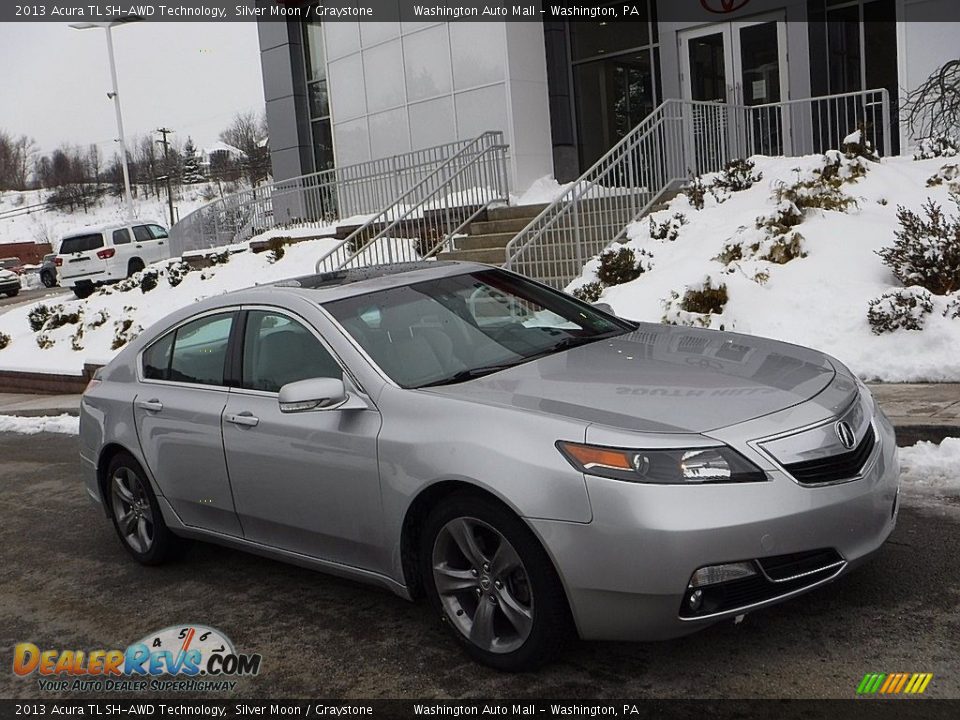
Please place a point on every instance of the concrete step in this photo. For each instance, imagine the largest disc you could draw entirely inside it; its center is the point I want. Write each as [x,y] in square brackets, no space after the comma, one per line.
[487,241]
[513,212]
[491,256]
[513,226]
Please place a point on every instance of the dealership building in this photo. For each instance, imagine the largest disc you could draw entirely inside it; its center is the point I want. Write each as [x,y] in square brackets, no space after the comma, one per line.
[563,93]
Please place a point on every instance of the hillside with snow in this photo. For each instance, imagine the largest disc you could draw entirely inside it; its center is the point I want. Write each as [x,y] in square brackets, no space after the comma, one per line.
[751,261]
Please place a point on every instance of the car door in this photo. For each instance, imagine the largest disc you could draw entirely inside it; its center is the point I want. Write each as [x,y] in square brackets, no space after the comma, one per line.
[144,247]
[161,248]
[177,410]
[306,482]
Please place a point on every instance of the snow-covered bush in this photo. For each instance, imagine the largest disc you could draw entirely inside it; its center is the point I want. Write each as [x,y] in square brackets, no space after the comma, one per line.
[904,309]
[738,175]
[44,341]
[948,173]
[4,340]
[38,316]
[76,340]
[824,192]
[707,299]
[149,279]
[845,168]
[125,329]
[669,229]
[588,292]
[176,271]
[952,310]
[927,249]
[618,266]
[695,192]
[276,250]
[98,319]
[935,147]
[60,316]
[220,258]
[856,145]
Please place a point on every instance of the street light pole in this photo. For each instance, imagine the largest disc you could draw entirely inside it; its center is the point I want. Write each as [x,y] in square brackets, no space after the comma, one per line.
[115,96]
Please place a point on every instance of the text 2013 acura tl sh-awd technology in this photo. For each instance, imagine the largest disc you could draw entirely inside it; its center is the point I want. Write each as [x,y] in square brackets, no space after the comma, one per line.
[529,463]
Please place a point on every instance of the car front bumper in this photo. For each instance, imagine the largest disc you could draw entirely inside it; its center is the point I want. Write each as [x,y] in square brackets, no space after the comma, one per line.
[626,573]
[9,286]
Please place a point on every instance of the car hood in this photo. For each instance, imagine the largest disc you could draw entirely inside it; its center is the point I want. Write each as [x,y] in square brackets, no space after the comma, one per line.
[661,378]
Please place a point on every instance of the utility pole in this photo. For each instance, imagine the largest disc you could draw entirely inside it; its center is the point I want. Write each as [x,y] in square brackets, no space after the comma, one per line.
[166,161]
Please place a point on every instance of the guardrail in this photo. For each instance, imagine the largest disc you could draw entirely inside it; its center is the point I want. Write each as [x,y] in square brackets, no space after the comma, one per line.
[679,139]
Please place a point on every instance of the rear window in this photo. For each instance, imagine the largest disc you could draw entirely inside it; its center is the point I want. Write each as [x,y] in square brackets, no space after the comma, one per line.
[81,243]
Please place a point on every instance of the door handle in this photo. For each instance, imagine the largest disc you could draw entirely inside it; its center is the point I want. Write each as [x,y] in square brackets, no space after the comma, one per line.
[150,405]
[243,419]
[139,247]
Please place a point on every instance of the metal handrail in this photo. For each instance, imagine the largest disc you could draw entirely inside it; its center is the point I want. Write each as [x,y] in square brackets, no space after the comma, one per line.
[486,155]
[313,200]
[678,139]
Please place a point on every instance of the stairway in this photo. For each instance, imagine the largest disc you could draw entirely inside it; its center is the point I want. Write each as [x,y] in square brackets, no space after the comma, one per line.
[487,239]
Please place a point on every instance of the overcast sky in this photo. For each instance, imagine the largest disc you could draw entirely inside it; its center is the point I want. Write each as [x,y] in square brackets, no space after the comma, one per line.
[190,77]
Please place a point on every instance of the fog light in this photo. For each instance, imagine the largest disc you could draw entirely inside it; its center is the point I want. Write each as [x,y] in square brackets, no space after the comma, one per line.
[713,574]
[695,600]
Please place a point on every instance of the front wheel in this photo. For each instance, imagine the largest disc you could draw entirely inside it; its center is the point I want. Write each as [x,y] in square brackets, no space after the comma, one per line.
[136,514]
[493,584]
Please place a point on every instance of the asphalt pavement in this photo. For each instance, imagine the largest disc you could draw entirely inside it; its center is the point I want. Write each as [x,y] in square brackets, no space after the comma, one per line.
[28,296]
[67,583]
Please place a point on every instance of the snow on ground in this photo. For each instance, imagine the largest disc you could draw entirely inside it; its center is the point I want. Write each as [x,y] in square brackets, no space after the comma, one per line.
[931,466]
[41,225]
[819,300]
[109,309]
[64,424]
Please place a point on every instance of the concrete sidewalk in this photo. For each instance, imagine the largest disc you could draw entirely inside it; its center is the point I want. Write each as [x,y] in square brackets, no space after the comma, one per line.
[918,411]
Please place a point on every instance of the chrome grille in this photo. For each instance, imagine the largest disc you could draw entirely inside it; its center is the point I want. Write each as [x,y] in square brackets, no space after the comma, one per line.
[834,468]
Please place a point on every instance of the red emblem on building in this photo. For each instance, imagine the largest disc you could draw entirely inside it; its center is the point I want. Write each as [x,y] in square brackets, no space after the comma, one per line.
[722,7]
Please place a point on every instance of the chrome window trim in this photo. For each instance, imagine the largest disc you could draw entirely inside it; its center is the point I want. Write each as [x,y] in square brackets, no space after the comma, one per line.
[828,566]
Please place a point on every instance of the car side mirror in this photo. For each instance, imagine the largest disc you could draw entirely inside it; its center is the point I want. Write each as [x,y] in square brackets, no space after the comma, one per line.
[312,394]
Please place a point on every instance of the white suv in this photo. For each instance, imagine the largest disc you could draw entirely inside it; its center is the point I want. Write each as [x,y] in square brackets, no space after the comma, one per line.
[94,256]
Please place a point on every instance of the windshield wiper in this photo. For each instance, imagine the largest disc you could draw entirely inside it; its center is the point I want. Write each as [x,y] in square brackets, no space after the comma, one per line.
[472,373]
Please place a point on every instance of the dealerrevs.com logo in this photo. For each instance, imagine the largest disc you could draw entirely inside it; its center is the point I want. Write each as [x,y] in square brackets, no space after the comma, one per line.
[178,658]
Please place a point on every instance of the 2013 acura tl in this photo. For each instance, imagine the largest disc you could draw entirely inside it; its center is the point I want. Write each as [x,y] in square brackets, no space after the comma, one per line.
[526,461]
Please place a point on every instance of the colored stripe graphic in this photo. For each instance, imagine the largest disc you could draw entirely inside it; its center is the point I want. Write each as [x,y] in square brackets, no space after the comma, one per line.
[894,683]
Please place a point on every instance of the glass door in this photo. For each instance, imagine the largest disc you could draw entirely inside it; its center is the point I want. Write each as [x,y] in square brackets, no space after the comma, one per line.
[740,69]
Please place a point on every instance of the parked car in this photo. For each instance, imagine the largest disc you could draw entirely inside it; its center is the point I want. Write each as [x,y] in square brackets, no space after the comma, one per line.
[527,462]
[13,264]
[9,283]
[100,255]
[48,271]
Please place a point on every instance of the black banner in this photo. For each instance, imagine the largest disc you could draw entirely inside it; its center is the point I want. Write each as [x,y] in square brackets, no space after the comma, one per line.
[866,709]
[75,11]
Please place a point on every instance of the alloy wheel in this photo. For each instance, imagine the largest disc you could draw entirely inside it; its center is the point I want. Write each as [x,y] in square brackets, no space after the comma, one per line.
[483,585]
[132,510]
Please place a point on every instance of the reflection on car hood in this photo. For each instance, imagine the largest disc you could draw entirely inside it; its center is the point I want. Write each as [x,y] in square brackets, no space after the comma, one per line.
[661,379]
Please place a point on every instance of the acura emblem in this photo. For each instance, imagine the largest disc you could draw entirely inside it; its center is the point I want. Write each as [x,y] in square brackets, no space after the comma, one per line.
[845,433]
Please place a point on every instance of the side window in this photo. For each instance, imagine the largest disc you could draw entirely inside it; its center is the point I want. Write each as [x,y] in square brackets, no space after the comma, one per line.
[200,350]
[121,237]
[278,350]
[142,233]
[157,232]
[156,358]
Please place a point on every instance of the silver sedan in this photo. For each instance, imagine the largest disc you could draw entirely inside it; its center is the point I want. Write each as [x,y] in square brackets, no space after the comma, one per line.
[533,466]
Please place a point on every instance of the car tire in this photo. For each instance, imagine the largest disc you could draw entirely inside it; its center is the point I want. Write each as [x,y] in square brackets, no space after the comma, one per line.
[13,293]
[83,291]
[136,514]
[525,617]
[48,279]
[134,266]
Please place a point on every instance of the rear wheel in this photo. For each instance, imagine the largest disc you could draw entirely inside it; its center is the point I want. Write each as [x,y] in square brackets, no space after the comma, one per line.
[13,293]
[492,583]
[83,291]
[136,514]
[134,266]
[48,279]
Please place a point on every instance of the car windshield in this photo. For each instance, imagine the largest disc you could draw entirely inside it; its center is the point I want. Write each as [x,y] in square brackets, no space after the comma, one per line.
[453,329]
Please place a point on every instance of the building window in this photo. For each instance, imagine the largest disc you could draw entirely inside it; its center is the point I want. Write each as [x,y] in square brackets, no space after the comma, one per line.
[615,76]
[318,99]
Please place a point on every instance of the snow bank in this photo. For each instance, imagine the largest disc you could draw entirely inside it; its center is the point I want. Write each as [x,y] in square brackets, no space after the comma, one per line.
[819,300]
[64,424]
[927,466]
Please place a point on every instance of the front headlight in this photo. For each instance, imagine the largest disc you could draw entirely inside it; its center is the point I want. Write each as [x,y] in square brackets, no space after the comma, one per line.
[691,466]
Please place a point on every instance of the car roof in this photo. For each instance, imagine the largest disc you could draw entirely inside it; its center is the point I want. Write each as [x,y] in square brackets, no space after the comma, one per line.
[103,227]
[325,287]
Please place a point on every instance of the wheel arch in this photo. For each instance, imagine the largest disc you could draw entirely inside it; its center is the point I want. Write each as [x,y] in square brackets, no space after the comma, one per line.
[107,454]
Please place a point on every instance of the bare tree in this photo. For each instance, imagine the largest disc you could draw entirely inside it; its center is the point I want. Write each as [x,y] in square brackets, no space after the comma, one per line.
[933,109]
[248,133]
